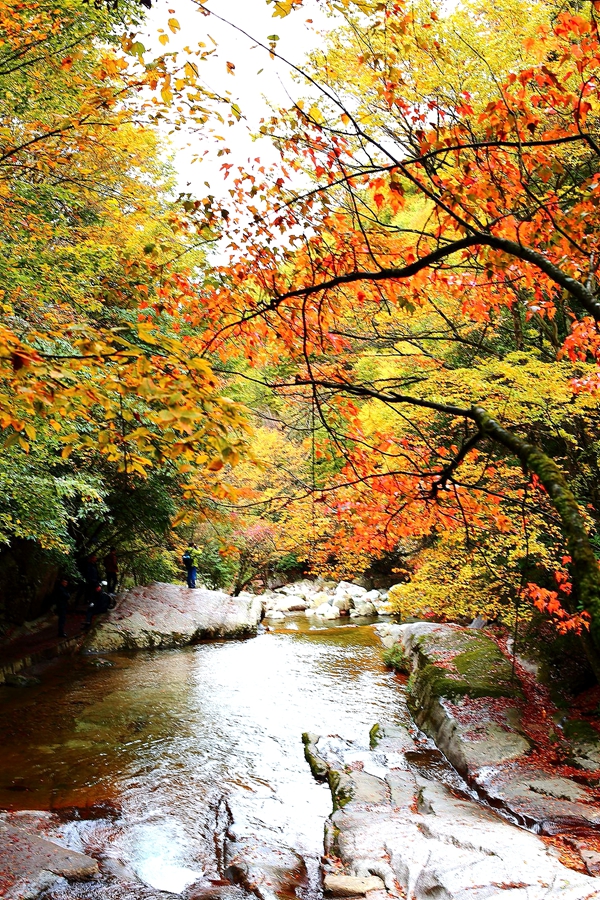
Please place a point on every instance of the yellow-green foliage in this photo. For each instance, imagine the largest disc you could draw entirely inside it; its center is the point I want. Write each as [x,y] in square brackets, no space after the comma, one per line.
[456,581]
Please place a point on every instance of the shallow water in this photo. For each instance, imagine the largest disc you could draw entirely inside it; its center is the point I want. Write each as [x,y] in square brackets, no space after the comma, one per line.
[152,759]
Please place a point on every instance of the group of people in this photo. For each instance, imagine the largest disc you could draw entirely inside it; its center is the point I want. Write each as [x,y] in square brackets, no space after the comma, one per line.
[97,599]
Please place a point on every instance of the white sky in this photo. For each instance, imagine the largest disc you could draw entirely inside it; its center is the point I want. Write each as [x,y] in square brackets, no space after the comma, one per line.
[249,86]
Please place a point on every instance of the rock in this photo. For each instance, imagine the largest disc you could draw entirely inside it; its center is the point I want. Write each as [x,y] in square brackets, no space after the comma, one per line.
[423,841]
[363,581]
[363,608]
[169,615]
[346,588]
[263,871]
[331,612]
[275,614]
[16,679]
[591,859]
[215,890]
[294,604]
[344,604]
[30,863]
[534,797]
[351,886]
[318,766]
[463,696]
[388,634]
[321,610]
[286,603]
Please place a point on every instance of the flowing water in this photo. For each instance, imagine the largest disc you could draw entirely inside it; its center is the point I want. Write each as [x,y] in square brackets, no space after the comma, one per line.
[152,761]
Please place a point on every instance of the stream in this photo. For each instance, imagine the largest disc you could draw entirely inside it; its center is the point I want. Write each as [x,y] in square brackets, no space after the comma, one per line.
[151,762]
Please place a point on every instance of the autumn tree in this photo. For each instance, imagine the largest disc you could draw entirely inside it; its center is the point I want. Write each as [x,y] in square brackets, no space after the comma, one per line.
[454,189]
[112,424]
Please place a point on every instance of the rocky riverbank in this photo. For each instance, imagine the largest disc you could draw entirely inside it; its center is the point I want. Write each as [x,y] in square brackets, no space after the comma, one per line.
[325,600]
[501,734]
[31,863]
[396,830]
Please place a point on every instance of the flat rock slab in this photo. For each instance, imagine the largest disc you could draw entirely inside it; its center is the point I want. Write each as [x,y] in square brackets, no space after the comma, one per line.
[170,615]
[423,841]
[29,863]
[350,886]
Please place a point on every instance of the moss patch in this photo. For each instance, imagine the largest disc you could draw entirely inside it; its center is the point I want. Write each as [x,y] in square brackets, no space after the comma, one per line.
[580,732]
[374,735]
[341,791]
[318,766]
[462,663]
[395,658]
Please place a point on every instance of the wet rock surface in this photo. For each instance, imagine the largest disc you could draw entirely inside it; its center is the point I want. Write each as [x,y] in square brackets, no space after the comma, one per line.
[425,839]
[463,696]
[170,615]
[30,863]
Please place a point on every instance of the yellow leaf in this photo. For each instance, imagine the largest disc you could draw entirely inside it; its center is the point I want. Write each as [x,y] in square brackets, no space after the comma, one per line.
[174,25]
[316,115]
[164,39]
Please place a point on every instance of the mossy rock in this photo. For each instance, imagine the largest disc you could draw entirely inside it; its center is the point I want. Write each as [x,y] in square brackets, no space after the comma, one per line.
[341,789]
[478,670]
[395,658]
[580,732]
[374,735]
[318,766]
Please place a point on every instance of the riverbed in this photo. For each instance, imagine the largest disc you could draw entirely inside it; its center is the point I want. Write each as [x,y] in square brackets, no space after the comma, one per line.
[150,761]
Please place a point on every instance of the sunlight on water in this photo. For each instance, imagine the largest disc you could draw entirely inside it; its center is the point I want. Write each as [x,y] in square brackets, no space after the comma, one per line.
[152,760]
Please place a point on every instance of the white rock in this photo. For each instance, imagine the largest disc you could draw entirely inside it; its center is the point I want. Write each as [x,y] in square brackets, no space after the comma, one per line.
[345,588]
[344,604]
[332,612]
[323,609]
[363,609]
[170,615]
[275,614]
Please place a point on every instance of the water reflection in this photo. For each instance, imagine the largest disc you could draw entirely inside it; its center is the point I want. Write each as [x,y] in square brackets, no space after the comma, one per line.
[191,748]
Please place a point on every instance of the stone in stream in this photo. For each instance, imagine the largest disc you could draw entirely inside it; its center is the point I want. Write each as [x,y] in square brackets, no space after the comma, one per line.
[170,615]
[29,863]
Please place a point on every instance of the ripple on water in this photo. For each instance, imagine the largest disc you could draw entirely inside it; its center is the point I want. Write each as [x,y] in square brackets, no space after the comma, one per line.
[189,745]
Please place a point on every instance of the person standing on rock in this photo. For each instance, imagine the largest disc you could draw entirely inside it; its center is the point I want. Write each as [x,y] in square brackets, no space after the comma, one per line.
[111,567]
[192,565]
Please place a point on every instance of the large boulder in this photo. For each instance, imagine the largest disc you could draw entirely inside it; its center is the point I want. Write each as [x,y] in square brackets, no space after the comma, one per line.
[344,604]
[169,615]
[363,608]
